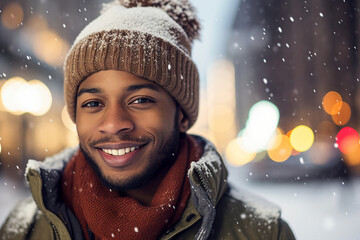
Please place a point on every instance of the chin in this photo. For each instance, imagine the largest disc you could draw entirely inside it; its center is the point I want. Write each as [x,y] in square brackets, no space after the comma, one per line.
[113,180]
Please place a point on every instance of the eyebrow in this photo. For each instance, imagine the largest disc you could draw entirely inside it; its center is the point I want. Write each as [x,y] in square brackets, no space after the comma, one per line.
[88,90]
[131,88]
[141,86]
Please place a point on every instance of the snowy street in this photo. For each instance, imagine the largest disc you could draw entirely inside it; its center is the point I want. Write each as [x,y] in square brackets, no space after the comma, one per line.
[318,210]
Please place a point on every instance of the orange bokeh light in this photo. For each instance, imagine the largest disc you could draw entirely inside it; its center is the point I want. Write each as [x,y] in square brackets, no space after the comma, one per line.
[332,102]
[343,115]
[283,151]
[353,158]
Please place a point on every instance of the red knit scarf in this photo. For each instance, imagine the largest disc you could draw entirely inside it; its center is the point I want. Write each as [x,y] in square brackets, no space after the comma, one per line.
[109,215]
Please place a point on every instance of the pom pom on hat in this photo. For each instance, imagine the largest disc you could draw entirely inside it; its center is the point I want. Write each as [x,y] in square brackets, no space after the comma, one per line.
[179,10]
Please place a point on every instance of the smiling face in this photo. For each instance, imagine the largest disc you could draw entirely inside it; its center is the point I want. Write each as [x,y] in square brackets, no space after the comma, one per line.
[128,127]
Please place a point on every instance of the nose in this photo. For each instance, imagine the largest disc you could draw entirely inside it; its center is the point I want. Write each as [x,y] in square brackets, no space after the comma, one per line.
[116,120]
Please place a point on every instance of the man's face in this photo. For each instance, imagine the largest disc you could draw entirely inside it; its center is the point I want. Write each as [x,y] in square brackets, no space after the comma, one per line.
[128,127]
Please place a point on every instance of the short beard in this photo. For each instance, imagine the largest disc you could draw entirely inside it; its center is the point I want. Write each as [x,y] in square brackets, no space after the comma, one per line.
[168,153]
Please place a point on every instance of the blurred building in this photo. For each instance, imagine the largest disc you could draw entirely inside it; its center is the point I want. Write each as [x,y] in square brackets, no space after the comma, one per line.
[292,53]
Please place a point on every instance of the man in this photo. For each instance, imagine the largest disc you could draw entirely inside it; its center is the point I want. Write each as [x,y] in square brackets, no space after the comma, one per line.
[132,89]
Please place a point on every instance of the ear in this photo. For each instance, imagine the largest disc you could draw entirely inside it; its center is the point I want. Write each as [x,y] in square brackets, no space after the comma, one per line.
[183,121]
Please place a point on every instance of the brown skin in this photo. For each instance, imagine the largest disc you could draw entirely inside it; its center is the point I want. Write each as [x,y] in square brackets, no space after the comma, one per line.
[117,110]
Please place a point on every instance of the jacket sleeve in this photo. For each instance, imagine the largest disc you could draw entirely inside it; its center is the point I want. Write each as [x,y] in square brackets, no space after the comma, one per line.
[285,232]
[19,221]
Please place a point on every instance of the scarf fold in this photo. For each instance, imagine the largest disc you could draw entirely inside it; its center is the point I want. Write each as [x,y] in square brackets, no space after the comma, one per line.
[110,215]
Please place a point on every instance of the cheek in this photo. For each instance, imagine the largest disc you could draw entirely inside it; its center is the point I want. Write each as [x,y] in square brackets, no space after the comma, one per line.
[159,121]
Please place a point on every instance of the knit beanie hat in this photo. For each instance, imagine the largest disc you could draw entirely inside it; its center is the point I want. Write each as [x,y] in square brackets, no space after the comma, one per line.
[148,38]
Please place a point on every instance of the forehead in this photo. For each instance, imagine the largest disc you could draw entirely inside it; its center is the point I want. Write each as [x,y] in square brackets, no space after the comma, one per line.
[114,77]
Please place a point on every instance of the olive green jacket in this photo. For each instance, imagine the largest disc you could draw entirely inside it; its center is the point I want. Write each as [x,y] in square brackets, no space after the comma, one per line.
[213,212]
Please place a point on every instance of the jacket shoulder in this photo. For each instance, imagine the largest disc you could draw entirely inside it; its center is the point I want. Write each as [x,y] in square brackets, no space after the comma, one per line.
[17,224]
[243,215]
[26,221]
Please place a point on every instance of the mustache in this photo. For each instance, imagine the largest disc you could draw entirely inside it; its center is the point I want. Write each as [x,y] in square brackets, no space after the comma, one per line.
[107,139]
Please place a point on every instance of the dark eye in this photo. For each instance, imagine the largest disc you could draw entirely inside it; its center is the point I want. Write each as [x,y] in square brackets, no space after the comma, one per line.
[142,101]
[92,104]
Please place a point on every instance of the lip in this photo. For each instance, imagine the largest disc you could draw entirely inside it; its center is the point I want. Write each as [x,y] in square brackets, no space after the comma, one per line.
[119,145]
[119,161]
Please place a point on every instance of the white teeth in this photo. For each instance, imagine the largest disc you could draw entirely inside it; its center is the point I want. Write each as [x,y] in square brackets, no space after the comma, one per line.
[119,152]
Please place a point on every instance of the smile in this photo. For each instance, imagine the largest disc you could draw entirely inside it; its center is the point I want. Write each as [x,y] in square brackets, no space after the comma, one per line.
[119,152]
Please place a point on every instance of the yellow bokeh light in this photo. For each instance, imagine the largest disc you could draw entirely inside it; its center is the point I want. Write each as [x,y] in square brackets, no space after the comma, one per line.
[223,119]
[332,102]
[301,138]
[19,96]
[283,151]
[343,115]
[41,98]
[236,155]
[12,94]
[12,16]
[50,47]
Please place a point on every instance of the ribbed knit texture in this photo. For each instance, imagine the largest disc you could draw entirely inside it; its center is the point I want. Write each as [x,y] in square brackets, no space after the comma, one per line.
[125,44]
[109,215]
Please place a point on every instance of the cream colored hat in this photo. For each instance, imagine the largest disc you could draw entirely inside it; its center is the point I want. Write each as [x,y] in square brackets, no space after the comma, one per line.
[151,39]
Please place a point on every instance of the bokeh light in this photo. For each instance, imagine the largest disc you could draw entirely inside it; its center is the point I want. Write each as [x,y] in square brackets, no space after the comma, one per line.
[41,98]
[19,96]
[219,113]
[260,126]
[353,157]
[347,140]
[275,141]
[301,138]
[223,120]
[343,115]
[332,102]
[50,47]
[12,16]
[236,155]
[283,151]
[12,95]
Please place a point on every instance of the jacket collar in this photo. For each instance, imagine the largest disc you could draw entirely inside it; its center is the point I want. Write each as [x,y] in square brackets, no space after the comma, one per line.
[208,179]
[209,172]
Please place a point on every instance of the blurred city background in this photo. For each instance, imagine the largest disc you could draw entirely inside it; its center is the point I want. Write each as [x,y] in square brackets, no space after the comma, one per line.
[280,98]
